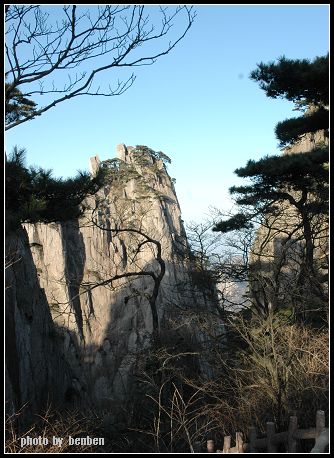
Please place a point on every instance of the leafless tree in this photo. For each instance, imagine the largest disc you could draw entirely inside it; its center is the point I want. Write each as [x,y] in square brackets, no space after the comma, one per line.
[156,276]
[271,255]
[62,58]
[221,262]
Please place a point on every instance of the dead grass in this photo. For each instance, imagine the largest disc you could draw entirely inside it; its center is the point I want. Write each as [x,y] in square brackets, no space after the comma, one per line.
[53,424]
[280,369]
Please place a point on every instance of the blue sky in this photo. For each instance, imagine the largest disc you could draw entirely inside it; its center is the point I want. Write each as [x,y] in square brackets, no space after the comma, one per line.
[197,104]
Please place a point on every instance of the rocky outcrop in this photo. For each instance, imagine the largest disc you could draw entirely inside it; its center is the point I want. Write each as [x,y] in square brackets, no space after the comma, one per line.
[106,274]
[308,142]
[37,373]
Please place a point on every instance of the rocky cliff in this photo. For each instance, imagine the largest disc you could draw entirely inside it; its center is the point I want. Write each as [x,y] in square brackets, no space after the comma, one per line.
[37,372]
[112,281]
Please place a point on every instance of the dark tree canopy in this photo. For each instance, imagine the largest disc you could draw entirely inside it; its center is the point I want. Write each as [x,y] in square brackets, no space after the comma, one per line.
[277,179]
[304,82]
[17,106]
[290,130]
[297,80]
[33,195]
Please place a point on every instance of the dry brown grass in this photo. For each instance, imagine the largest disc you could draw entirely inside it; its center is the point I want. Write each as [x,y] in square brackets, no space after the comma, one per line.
[266,370]
[280,368]
[53,424]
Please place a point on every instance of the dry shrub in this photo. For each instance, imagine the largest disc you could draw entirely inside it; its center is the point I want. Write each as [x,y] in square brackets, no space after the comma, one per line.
[265,369]
[278,368]
[177,417]
[54,424]
[180,421]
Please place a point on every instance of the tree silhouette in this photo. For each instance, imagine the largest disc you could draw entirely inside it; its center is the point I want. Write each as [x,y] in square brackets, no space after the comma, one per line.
[34,195]
[289,193]
[61,59]
[304,82]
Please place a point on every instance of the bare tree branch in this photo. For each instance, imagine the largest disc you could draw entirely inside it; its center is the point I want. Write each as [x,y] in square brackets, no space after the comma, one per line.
[157,278]
[95,40]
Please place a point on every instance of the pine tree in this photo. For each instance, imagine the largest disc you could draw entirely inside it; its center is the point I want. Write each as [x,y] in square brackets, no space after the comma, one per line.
[17,106]
[280,178]
[304,82]
[299,180]
[33,195]
[275,179]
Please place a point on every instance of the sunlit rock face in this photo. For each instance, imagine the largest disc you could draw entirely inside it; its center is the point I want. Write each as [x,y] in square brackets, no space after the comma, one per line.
[308,142]
[99,282]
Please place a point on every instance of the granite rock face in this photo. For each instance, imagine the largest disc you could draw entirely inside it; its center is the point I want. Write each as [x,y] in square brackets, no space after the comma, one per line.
[37,372]
[308,142]
[100,274]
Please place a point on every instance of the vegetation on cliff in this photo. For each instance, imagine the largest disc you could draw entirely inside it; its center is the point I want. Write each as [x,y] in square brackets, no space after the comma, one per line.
[214,366]
[33,195]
